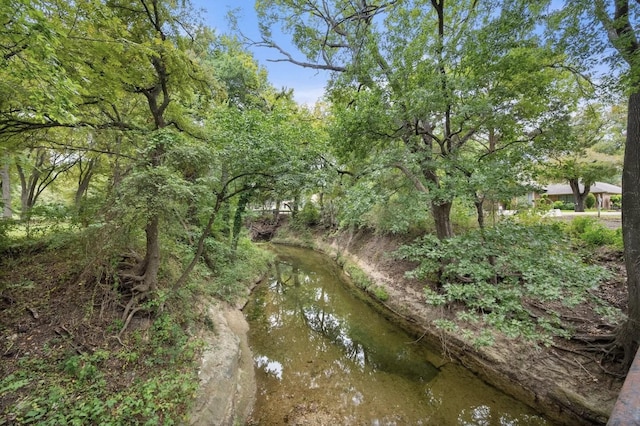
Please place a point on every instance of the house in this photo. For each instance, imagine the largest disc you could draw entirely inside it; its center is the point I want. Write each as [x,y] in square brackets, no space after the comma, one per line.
[563,192]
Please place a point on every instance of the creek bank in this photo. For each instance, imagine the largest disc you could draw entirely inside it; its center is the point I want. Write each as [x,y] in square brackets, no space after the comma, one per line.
[566,387]
[227,382]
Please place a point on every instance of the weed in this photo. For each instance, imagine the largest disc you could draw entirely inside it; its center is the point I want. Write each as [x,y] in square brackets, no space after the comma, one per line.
[380,292]
[357,275]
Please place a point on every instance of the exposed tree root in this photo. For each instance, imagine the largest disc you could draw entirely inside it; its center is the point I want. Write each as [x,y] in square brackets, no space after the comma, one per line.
[133,283]
[606,351]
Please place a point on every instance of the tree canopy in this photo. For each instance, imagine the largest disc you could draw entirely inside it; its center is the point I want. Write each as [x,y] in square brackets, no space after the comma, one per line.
[148,124]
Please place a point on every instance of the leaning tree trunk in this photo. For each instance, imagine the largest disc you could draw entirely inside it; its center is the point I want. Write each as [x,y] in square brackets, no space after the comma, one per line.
[27,190]
[237,220]
[84,179]
[629,335]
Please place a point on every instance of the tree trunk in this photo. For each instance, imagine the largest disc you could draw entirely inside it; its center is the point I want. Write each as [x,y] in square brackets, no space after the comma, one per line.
[629,335]
[5,177]
[442,217]
[237,220]
[480,211]
[152,257]
[578,197]
[24,193]
[83,180]
[294,206]
[200,247]
[276,212]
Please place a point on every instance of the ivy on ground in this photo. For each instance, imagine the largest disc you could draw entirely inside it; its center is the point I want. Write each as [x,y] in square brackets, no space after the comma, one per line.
[502,275]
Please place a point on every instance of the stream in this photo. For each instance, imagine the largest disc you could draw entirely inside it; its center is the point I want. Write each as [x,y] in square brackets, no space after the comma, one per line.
[323,356]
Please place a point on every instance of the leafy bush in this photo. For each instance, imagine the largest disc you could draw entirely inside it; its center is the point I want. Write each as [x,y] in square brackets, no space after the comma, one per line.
[590,201]
[357,275]
[233,272]
[309,215]
[5,227]
[563,205]
[616,201]
[492,271]
[594,233]
[380,293]
[580,224]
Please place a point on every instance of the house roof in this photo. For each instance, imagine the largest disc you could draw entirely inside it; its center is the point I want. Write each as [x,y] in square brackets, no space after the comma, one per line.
[597,188]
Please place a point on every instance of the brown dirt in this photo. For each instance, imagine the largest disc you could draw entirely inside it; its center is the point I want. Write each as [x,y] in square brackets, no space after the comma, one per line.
[52,307]
[44,302]
[569,381]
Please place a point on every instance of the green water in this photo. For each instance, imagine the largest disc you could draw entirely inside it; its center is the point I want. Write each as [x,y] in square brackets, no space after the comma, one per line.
[324,357]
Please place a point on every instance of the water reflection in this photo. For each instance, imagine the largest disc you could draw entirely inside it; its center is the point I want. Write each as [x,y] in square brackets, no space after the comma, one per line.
[320,351]
[269,366]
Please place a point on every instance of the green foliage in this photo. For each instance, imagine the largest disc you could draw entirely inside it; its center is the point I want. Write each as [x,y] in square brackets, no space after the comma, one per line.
[233,272]
[463,216]
[77,392]
[361,280]
[6,226]
[616,201]
[590,201]
[400,213]
[594,234]
[494,271]
[563,205]
[309,215]
[358,276]
[380,292]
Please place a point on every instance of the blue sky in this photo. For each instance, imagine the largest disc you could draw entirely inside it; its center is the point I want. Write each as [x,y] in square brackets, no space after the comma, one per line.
[308,84]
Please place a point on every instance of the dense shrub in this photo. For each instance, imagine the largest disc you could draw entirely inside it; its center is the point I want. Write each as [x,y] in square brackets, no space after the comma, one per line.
[590,201]
[492,271]
[563,205]
[616,201]
[309,215]
[592,232]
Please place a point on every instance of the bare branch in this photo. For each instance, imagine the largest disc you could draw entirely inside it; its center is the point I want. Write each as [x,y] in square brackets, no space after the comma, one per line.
[289,58]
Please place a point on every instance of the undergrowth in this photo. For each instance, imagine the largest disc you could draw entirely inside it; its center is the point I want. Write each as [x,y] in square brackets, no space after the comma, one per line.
[498,274]
[65,360]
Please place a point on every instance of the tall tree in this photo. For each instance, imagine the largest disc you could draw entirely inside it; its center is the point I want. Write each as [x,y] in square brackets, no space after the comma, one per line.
[570,155]
[418,80]
[617,19]
[5,183]
[606,32]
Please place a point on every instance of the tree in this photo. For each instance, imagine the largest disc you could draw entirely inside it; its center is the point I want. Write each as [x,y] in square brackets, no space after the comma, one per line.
[44,167]
[623,36]
[415,82]
[581,172]
[5,182]
[605,30]
[570,155]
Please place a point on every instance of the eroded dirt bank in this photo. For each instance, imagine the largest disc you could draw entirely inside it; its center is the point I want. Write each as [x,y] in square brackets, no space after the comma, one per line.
[565,385]
[227,383]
